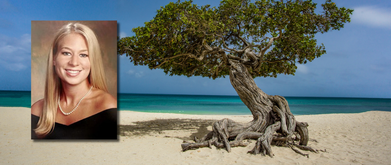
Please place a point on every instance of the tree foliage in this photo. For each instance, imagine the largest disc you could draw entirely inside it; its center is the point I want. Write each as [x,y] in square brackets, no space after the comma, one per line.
[269,37]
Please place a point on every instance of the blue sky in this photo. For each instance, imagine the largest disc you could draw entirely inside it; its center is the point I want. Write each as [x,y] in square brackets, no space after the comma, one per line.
[357,63]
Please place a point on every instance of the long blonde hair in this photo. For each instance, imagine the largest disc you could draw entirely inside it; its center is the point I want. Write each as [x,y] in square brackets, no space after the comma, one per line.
[53,87]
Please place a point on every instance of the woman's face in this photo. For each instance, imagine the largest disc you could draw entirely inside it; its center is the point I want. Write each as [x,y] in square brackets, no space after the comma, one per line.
[72,63]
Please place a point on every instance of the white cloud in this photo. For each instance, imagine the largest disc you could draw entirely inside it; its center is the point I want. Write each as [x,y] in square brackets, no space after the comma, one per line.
[7,49]
[138,74]
[13,66]
[131,72]
[25,40]
[15,52]
[122,35]
[372,16]
[302,68]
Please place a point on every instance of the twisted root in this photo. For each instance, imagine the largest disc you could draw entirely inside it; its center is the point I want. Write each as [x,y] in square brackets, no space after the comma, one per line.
[279,128]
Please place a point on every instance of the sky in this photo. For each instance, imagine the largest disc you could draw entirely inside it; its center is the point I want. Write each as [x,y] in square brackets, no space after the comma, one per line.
[357,63]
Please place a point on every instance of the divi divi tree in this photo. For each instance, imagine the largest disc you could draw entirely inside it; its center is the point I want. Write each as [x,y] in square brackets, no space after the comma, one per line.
[243,39]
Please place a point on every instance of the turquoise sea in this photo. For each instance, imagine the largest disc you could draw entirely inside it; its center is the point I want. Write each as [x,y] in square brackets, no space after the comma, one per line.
[232,105]
[207,104]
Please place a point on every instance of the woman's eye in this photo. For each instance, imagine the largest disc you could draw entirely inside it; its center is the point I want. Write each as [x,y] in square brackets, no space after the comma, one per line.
[83,55]
[66,53]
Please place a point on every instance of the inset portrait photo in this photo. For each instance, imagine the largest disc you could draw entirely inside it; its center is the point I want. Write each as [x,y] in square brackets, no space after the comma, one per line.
[74,80]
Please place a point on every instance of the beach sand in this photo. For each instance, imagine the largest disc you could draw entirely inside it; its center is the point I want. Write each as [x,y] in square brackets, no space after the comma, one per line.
[153,138]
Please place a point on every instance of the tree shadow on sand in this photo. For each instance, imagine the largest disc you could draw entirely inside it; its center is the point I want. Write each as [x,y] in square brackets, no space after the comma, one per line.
[141,128]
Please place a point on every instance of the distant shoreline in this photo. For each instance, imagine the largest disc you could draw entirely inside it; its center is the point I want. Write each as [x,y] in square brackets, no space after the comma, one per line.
[211,114]
[219,95]
[238,96]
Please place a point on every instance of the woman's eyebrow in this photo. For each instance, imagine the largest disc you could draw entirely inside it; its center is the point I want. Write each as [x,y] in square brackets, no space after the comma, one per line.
[83,50]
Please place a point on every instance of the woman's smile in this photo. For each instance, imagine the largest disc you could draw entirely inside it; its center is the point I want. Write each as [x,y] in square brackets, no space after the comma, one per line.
[72,73]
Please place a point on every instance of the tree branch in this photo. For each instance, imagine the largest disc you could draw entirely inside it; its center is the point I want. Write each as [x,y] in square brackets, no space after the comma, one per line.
[243,40]
[226,46]
[167,59]
[208,50]
[262,53]
[235,58]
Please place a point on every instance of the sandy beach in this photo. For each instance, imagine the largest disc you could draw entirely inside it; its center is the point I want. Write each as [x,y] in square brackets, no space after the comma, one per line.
[153,138]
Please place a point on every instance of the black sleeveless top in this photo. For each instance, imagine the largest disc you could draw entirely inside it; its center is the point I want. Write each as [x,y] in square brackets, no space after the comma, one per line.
[102,125]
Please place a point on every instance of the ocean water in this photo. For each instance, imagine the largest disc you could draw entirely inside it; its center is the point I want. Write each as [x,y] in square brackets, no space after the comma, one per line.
[229,105]
[232,105]
[15,99]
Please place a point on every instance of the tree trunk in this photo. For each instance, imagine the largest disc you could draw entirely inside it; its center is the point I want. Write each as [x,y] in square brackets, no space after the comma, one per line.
[253,97]
[272,123]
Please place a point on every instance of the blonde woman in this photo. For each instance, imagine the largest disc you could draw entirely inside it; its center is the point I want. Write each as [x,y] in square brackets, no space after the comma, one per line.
[76,103]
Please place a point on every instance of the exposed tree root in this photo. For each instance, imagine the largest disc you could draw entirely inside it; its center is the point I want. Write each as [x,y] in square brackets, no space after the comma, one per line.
[297,151]
[272,124]
[281,129]
[263,143]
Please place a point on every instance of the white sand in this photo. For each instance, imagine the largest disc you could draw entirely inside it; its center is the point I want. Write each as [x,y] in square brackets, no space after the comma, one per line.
[363,138]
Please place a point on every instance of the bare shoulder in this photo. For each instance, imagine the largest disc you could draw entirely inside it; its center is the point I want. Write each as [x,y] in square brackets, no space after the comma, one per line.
[109,101]
[105,100]
[37,107]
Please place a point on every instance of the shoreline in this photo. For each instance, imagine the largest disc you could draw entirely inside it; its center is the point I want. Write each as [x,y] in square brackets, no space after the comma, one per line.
[155,138]
[249,113]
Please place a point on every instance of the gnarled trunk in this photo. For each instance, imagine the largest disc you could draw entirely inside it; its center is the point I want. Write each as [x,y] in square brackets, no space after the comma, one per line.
[272,123]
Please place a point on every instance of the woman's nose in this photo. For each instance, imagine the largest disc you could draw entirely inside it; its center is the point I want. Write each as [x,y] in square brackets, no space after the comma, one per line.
[74,60]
